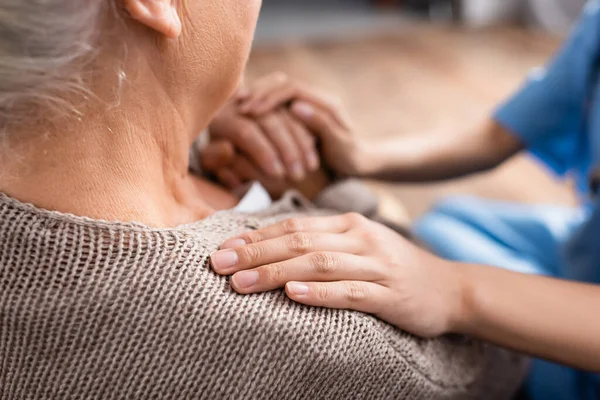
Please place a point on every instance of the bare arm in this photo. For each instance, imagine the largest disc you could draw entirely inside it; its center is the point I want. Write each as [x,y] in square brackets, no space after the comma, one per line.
[420,157]
[349,262]
[433,157]
[545,317]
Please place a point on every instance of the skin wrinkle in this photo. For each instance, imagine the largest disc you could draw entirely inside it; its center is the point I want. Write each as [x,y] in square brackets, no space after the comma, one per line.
[180,164]
[217,47]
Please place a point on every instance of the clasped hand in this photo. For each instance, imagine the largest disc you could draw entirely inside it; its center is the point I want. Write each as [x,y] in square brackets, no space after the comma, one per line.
[280,129]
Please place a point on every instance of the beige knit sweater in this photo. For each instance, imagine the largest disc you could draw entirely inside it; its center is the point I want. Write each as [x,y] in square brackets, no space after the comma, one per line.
[98,310]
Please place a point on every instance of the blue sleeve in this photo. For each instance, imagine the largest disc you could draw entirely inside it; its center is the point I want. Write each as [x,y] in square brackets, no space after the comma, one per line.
[548,112]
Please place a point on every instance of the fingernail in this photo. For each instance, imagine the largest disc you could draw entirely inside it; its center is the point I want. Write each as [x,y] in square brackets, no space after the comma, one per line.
[296,171]
[278,169]
[303,109]
[297,289]
[224,259]
[245,279]
[233,243]
[313,162]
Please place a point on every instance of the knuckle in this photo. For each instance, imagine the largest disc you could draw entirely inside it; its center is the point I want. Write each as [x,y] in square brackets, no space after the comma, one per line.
[252,237]
[251,254]
[299,242]
[366,237]
[322,293]
[355,292]
[356,219]
[324,263]
[275,273]
[292,225]
[280,77]
[388,264]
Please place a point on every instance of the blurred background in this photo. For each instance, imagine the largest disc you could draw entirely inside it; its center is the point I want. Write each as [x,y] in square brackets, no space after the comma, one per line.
[410,66]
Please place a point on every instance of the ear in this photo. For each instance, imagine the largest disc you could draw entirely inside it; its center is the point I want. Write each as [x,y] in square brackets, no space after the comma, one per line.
[159,15]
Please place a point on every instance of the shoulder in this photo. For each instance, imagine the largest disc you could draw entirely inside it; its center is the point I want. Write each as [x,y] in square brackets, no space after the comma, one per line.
[350,354]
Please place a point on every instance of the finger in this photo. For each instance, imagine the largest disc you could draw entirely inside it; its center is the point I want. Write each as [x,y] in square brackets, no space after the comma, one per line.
[242,93]
[314,267]
[244,169]
[262,88]
[271,100]
[216,155]
[321,122]
[305,141]
[228,178]
[326,102]
[270,251]
[361,296]
[327,224]
[299,92]
[251,141]
[282,138]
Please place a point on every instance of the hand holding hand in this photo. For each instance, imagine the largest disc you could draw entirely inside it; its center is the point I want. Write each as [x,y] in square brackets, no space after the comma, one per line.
[276,144]
[322,113]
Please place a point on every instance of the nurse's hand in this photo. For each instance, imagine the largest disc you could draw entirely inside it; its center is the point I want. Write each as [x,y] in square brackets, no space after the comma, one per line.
[243,149]
[324,114]
[275,144]
[348,262]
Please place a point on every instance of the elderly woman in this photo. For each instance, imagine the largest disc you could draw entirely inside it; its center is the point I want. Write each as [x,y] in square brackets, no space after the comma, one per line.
[99,104]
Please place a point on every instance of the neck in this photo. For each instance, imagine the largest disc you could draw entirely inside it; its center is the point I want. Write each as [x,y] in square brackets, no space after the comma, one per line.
[129,164]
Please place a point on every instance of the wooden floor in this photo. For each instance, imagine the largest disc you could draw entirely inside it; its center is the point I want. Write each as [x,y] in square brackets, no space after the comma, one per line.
[428,78]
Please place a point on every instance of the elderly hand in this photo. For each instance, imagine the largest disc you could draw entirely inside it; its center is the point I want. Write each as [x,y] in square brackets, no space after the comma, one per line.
[349,262]
[276,144]
[324,114]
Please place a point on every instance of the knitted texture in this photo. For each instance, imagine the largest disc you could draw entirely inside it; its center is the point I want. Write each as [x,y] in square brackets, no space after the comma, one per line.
[99,310]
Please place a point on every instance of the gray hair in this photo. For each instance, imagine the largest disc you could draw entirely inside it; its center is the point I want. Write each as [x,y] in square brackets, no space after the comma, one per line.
[43,44]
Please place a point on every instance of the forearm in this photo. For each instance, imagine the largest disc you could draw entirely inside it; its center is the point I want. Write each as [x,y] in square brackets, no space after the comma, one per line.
[544,317]
[433,157]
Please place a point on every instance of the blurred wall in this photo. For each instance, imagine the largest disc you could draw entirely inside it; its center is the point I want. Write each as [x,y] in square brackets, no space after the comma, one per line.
[553,15]
[339,3]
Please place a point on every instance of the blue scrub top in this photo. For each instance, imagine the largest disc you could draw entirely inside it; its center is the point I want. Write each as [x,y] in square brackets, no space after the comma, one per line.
[557,115]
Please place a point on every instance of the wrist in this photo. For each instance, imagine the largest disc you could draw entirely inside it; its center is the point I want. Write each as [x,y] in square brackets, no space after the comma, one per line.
[366,161]
[463,301]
